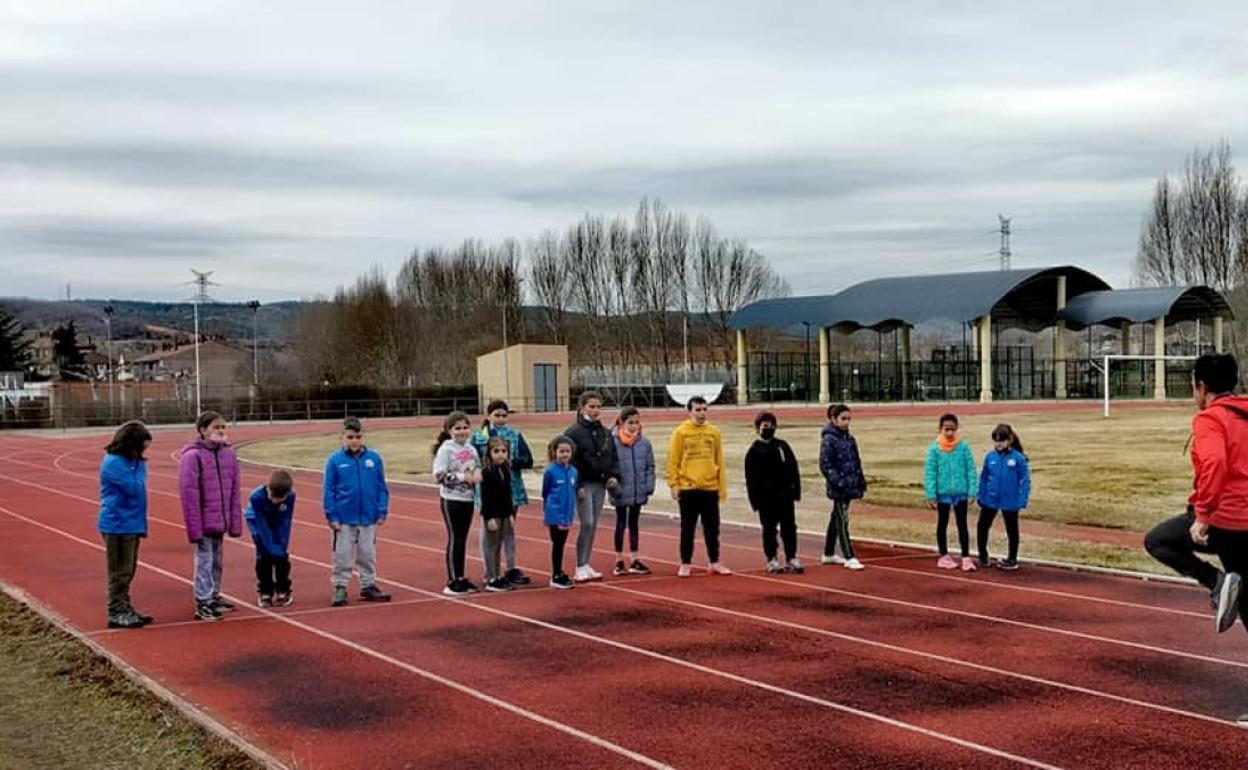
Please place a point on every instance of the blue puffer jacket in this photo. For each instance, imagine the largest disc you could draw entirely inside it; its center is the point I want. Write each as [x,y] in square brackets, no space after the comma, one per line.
[636,472]
[269,523]
[840,464]
[1005,482]
[559,495]
[355,488]
[123,496]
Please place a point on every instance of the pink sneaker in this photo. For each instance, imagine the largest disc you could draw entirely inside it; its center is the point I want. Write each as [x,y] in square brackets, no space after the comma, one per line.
[718,569]
[684,571]
[968,564]
[947,562]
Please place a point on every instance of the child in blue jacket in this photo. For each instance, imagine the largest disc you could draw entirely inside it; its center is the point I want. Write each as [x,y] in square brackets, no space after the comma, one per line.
[560,493]
[270,513]
[1005,486]
[123,518]
[356,502]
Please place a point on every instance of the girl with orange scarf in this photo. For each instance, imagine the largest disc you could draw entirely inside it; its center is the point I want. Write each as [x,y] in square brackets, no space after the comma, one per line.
[636,485]
[950,480]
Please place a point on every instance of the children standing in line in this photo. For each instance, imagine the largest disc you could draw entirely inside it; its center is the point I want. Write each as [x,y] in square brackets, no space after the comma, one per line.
[774,485]
[123,518]
[495,426]
[841,466]
[356,503]
[636,458]
[560,493]
[950,482]
[498,511]
[208,483]
[599,471]
[457,469]
[1005,486]
[695,473]
[270,513]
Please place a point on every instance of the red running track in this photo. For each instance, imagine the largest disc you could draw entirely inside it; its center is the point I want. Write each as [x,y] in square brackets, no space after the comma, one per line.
[896,666]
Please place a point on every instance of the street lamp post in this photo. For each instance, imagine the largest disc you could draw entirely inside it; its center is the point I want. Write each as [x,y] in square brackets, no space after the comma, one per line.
[255,342]
[506,364]
[806,364]
[108,327]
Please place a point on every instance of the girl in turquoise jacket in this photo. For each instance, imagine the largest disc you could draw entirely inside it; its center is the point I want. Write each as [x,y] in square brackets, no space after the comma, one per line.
[950,481]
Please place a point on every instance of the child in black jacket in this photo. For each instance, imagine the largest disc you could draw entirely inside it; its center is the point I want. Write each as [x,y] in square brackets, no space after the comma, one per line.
[497,509]
[774,485]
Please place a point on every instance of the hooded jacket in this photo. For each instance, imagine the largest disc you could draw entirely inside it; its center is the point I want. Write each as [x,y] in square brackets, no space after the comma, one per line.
[695,459]
[1220,464]
[123,496]
[636,471]
[840,464]
[771,474]
[208,484]
[521,456]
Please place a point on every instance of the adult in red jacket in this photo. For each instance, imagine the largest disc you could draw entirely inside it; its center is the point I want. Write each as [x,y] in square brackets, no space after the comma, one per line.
[1216,521]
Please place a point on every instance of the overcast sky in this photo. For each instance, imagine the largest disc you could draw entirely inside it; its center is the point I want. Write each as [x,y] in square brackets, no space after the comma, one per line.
[291,146]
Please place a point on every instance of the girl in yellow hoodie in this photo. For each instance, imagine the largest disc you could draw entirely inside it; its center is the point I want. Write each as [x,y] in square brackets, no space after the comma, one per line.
[695,473]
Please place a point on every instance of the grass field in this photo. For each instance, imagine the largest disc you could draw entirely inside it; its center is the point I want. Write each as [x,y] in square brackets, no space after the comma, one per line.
[63,706]
[1122,473]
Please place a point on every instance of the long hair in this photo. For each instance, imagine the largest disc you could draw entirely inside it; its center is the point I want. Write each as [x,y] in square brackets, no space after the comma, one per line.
[207,418]
[129,439]
[489,452]
[554,444]
[625,413]
[452,419]
[1004,432]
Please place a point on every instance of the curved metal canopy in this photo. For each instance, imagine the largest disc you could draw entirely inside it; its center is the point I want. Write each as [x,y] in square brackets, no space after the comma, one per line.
[1176,303]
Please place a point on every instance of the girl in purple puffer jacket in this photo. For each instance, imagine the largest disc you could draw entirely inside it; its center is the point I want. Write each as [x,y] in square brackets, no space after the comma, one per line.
[208,480]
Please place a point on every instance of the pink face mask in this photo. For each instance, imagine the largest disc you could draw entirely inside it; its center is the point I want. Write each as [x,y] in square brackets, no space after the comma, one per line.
[216,437]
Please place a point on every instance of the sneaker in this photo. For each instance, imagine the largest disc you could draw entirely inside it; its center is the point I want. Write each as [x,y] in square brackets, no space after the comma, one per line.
[283,600]
[715,568]
[582,575]
[985,562]
[794,566]
[340,597]
[831,559]
[620,568]
[593,573]
[854,564]
[206,611]
[516,577]
[222,605]
[455,588]
[371,593]
[1242,721]
[264,600]
[773,567]
[498,585]
[1227,592]
[684,571]
[145,618]
[968,564]
[469,586]
[638,568]
[947,562]
[128,619]
[1008,565]
[561,580]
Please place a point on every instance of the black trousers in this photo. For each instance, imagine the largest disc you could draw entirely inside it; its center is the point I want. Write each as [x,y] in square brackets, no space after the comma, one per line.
[272,574]
[1171,544]
[987,516]
[942,524]
[695,504]
[627,516]
[558,539]
[1231,546]
[781,515]
[458,517]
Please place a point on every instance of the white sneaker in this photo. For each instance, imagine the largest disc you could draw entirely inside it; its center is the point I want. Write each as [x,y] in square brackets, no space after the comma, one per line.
[833,559]
[716,568]
[684,571]
[593,573]
[773,566]
[854,564]
[582,575]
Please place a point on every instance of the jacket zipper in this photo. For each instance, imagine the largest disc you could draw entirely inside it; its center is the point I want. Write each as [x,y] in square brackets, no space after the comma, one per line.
[359,484]
[225,514]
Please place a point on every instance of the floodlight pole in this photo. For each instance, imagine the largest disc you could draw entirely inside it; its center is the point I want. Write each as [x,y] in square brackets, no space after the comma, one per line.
[108,327]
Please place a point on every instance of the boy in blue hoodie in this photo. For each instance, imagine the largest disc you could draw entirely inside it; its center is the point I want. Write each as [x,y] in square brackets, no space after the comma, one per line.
[356,503]
[270,513]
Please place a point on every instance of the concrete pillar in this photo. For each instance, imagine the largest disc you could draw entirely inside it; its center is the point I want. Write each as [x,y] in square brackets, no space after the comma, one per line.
[1125,331]
[743,381]
[1059,343]
[905,363]
[984,325]
[1217,334]
[1159,366]
[825,395]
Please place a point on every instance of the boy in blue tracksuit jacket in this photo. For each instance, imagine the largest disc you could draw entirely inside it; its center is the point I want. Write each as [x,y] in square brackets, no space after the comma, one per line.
[1004,486]
[356,503]
[560,493]
[270,514]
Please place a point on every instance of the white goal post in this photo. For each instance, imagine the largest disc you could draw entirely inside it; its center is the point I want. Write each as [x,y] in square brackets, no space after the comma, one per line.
[1107,359]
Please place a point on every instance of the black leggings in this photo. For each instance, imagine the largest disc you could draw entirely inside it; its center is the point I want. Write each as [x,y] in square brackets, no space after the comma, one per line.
[272,574]
[986,517]
[942,523]
[627,516]
[458,517]
[779,515]
[558,539]
[1171,544]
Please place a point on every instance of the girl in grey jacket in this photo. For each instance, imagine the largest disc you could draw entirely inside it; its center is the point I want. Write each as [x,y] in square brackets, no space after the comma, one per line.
[636,457]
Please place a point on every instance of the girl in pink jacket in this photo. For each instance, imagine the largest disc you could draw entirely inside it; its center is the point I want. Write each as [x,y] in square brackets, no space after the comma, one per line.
[208,480]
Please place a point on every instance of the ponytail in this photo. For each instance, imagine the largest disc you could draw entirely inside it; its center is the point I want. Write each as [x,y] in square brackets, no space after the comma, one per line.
[452,419]
[1004,432]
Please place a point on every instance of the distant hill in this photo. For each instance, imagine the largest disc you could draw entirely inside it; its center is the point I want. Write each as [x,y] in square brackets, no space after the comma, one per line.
[136,319]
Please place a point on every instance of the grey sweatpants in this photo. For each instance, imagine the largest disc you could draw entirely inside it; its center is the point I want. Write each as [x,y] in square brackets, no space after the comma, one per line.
[509,545]
[355,547]
[588,511]
[209,562]
[492,543]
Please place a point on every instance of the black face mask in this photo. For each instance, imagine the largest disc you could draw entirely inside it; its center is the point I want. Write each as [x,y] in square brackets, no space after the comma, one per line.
[767,433]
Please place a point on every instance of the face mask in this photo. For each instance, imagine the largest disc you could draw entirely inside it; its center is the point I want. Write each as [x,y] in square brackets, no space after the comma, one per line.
[216,437]
[767,433]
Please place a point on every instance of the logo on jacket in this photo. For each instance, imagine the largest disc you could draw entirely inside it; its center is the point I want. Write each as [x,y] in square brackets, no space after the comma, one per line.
[369,463]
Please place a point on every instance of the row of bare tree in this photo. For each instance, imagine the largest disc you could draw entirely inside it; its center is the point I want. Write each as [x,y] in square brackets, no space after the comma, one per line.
[617,292]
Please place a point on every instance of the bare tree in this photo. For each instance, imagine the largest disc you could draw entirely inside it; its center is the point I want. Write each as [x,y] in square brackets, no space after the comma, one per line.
[1159,260]
[549,283]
